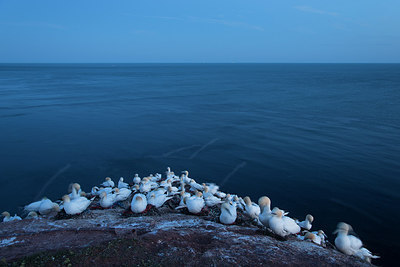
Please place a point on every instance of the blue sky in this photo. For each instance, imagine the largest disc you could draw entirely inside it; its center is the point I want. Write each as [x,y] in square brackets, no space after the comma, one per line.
[199,31]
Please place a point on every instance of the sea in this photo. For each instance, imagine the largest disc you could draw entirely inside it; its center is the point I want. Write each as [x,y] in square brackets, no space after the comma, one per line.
[320,139]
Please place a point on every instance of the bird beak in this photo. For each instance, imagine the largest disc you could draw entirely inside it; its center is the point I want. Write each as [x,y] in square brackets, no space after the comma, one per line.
[336,231]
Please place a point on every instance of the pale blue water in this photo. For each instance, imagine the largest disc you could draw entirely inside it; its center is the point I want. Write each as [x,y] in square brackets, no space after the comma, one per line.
[316,138]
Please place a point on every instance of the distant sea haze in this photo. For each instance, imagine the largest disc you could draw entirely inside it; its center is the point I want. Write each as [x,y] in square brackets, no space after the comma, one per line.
[322,139]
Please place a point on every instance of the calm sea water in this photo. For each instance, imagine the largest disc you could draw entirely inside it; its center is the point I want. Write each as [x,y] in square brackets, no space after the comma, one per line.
[316,138]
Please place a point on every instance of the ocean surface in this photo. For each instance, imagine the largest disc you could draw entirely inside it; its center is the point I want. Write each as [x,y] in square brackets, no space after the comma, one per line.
[322,139]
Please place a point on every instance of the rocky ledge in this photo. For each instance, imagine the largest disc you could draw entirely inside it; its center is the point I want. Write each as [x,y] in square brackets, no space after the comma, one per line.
[104,237]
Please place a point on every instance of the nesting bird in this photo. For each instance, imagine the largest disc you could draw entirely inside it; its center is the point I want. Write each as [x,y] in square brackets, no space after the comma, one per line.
[251,208]
[139,203]
[122,184]
[75,206]
[195,203]
[282,225]
[108,182]
[306,224]
[228,213]
[9,218]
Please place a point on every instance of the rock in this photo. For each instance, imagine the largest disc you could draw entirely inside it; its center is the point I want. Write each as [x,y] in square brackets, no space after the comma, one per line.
[105,237]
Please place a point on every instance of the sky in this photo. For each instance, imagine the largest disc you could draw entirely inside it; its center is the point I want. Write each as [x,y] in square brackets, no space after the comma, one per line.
[188,31]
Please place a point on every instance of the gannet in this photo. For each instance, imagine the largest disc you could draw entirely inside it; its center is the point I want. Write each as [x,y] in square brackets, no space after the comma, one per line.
[212,188]
[106,201]
[98,191]
[136,179]
[195,186]
[166,183]
[122,194]
[168,172]
[136,188]
[212,201]
[313,238]
[206,192]
[32,215]
[75,206]
[220,194]
[265,206]
[8,218]
[321,235]
[251,208]
[282,226]
[159,191]
[348,244]
[34,206]
[184,197]
[75,190]
[185,176]
[47,206]
[145,186]
[122,184]
[108,182]
[139,203]
[238,201]
[306,224]
[157,200]
[172,190]
[228,213]
[195,203]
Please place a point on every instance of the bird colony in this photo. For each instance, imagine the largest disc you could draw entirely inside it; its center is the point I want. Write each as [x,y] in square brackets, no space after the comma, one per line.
[154,191]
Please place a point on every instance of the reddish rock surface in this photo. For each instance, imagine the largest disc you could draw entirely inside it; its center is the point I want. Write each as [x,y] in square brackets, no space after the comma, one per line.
[104,237]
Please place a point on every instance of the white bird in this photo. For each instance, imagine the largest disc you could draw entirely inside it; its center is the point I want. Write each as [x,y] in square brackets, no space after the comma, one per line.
[213,188]
[108,182]
[106,201]
[172,190]
[220,194]
[75,206]
[75,190]
[185,177]
[32,215]
[157,200]
[265,206]
[195,203]
[348,244]
[136,179]
[145,186]
[166,183]
[139,203]
[306,224]
[228,213]
[122,194]
[34,206]
[47,206]
[195,186]
[321,235]
[365,255]
[313,238]
[206,192]
[282,226]
[8,218]
[251,208]
[44,206]
[98,191]
[122,184]
[211,201]
[184,197]
[238,201]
